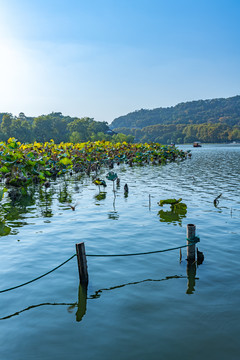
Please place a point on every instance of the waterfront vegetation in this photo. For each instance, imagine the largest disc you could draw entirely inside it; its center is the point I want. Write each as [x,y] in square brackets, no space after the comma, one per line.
[24,164]
[58,127]
[26,168]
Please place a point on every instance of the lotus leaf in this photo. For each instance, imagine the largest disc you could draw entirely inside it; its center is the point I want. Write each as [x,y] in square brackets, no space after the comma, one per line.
[4,169]
[169,201]
[112,176]
[66,161]
[2,192]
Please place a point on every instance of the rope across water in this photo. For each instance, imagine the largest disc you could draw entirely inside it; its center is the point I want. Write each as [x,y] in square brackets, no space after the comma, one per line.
[141,253]
[39,277]
[192,242]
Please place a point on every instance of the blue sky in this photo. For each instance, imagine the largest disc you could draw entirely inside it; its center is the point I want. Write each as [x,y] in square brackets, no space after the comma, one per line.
[105,58]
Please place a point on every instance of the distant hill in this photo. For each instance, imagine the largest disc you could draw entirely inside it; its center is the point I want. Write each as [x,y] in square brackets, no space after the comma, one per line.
[215,121]
[221,110]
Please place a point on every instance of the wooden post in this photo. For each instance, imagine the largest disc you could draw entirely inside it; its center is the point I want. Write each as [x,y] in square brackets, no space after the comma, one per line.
[191,229]
[82,263]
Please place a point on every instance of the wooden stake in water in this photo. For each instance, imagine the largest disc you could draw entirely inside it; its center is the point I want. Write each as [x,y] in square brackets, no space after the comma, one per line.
[149,201]
[82,263]
[191,230]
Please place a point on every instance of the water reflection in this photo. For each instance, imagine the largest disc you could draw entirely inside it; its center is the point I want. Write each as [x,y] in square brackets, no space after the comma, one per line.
[36,306]
[4,230]
[21,201]
[12,212]
[64,195]
[100,196]
[173,216]
[98,293]
[45,201]
[113,215]
[81,304]
[191,275]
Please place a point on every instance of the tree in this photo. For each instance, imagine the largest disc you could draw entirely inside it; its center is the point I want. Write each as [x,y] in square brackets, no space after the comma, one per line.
[43,129]
[6,125]
[21,130]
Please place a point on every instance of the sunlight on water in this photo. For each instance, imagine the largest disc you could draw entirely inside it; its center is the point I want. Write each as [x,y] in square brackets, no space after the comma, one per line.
[138,307]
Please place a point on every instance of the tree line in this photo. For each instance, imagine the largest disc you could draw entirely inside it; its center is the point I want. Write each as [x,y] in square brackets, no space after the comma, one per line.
[58,127]
[181,133]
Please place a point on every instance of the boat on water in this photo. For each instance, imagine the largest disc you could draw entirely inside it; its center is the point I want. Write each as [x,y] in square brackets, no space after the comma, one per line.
[196,144]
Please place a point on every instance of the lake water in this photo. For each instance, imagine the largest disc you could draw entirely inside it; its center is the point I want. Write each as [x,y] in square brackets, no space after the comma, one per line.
[139,307]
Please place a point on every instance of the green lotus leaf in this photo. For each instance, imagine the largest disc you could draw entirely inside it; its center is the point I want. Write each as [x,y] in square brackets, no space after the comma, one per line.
[31,155]
[13,145]
[169,201]
[4,169]
[65,161]
[41,176]
[30,162]
[112,176]
[2,192]
[180,208]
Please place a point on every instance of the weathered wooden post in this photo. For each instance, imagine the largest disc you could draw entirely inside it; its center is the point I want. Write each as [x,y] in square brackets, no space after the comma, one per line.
[82,263]
[191,229]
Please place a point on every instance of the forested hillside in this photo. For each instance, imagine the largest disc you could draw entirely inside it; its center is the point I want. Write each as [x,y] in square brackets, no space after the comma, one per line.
[216,120]
[193,112]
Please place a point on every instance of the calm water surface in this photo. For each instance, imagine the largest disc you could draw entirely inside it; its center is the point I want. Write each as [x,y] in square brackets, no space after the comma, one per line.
[142,307]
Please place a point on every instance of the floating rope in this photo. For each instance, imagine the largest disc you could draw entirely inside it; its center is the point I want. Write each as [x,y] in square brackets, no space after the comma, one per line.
[142,253]
[39,277]
[193,241]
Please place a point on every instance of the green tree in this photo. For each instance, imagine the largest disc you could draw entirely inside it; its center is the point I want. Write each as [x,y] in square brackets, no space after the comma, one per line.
[43,129]
[6,125]
[21,130]
[76,137]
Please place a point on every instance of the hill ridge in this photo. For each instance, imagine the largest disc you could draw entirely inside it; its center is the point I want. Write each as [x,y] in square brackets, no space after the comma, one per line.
[218,110]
